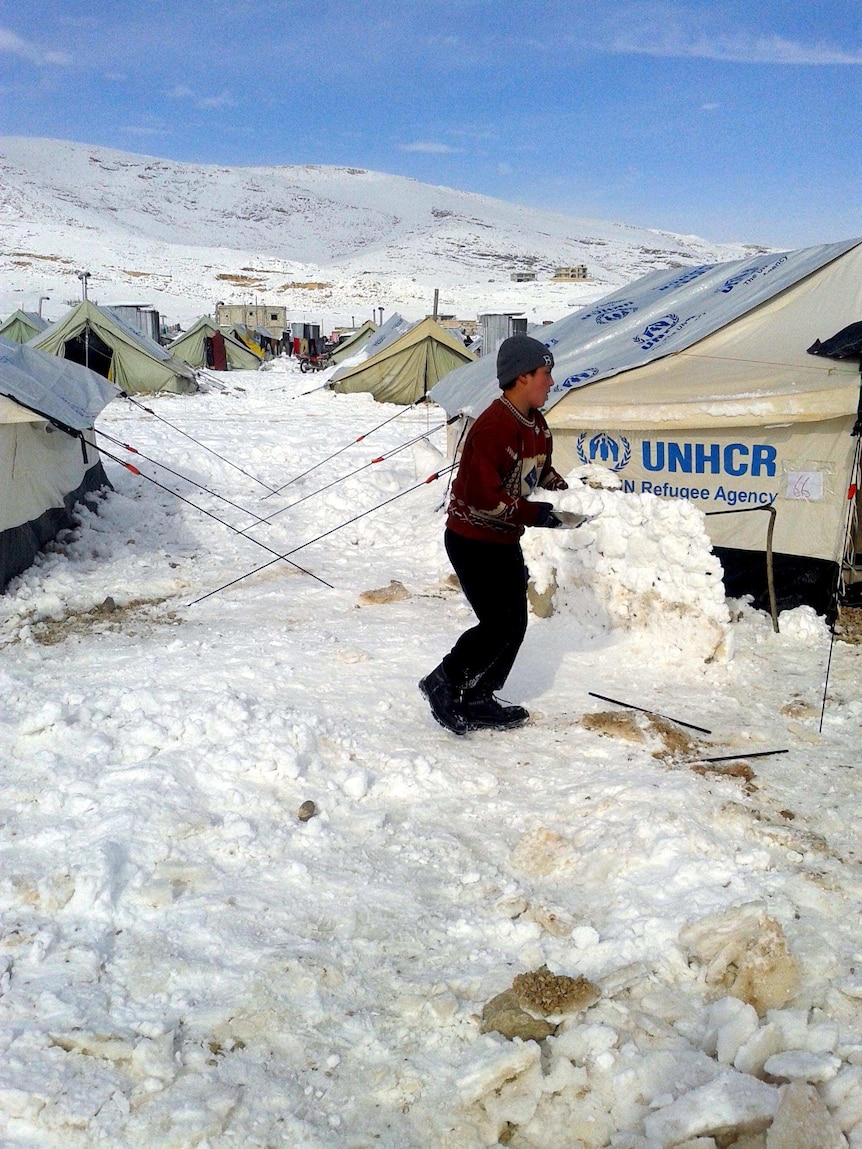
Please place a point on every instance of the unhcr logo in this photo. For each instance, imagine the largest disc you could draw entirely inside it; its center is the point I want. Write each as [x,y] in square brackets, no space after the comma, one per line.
[656,331]
[609,312]
[577,380]
[750,274]
[603,448]
[741,277]
[681,280]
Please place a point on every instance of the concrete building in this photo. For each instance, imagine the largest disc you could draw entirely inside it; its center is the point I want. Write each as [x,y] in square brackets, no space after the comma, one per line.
[570,273]
[252,315]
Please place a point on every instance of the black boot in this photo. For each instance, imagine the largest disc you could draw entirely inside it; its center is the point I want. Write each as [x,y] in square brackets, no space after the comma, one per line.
[444,698]
[483,711]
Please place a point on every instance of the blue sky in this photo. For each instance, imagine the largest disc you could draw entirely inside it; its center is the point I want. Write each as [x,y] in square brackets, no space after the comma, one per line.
[732,119]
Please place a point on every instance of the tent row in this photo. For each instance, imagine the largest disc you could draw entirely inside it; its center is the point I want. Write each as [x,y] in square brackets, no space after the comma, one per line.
[98,338]
[718,384]
[54,380]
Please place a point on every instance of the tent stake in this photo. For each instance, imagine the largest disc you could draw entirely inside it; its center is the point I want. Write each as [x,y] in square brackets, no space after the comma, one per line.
[826,679]
[643,710]
[736,757]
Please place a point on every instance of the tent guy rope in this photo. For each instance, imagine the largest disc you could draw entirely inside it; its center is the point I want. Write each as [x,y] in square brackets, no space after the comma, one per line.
[340,450]
[431,478]
[197,442]
[341,478]
[135,471]
[177,474]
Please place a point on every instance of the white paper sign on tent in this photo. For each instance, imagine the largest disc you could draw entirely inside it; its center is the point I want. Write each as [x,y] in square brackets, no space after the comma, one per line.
[807,485]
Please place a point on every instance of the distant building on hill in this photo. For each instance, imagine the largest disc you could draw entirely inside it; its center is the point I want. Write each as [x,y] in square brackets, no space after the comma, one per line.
[269,315]
[570,273]
[522,276]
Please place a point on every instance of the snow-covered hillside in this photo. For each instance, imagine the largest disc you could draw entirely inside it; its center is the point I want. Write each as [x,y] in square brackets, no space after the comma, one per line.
[328,243]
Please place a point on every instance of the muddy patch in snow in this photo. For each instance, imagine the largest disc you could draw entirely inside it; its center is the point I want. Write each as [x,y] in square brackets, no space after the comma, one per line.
[131,618]
[660,735]
[849,625]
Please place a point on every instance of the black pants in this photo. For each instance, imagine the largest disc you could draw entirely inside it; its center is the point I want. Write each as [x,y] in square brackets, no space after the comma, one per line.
[494,579]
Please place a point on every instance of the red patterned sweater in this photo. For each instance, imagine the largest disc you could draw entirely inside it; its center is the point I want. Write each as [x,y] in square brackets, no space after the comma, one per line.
[506,457]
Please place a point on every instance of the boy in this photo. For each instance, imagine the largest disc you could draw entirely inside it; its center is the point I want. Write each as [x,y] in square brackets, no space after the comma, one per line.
[506,456]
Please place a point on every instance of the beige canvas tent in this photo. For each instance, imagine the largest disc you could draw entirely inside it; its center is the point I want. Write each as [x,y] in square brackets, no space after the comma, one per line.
[698,383]
[409,367]
[21,326]
[98,339]
[353,342]
[191,347]
[48,458]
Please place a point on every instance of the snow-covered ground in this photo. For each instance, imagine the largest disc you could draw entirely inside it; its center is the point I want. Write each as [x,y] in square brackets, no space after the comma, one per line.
[185,961]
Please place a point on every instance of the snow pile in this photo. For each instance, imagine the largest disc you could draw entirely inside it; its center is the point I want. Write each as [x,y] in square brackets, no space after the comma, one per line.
[643,564]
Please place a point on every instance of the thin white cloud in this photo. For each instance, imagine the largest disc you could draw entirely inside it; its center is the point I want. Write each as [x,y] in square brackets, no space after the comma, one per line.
[137,130]
[709,107]
[661,40]
[183,92]
[225,100]
[428,147]
[16,46]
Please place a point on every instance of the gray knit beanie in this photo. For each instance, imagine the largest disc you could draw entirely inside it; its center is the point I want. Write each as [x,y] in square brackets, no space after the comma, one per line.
[520,355]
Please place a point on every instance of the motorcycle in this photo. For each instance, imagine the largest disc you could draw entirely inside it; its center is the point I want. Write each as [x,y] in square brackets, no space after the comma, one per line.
[315,362]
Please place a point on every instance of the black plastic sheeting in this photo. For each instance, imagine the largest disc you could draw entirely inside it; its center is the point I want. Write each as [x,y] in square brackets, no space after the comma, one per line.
[846,344]
[798,581]
[20,545]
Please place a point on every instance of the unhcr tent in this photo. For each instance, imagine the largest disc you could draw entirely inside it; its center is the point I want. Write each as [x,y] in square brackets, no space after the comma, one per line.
[408,368]
[97,338]
[698,383]
[193,348]
[48,459]
[21,326]
[354,341]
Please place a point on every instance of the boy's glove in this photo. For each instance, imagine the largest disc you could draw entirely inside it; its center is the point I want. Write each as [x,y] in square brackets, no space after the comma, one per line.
[567,519]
